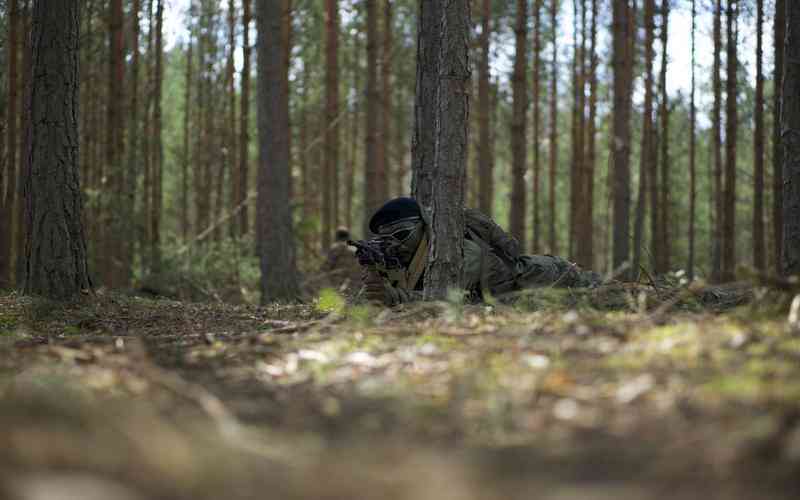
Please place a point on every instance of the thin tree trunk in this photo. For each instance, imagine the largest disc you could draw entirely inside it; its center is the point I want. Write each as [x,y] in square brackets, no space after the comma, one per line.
[187,121]
[374,178]
[331,110]
[716,123]
[115,258]
[350,186]
[645,167]
[790,140]
[731,126]
[445,257]
[587,243]
[158,163]
[147,144]
[486,193]
[55,249]
[663,263]
[276,236]
[583,225]
[553,131]
[231,134]
[134,129]
[759,253]
[386,93]
[244,117]
[692,154]
[518,126]
[8,181]
[623,69]
[779,29]
[537,119]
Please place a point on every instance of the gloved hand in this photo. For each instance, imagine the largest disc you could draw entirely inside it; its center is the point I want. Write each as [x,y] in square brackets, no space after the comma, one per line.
[374,286]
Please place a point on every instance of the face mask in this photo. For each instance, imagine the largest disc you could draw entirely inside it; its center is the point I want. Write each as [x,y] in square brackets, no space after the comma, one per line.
[401,238]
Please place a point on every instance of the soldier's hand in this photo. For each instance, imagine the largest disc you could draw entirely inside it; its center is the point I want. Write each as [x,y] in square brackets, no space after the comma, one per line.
[374,286]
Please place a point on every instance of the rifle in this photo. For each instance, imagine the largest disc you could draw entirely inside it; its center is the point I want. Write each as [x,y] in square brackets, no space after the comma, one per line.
[371,254]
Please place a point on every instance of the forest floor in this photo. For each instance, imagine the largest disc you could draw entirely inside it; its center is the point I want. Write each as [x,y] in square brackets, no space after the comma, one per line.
[559,396]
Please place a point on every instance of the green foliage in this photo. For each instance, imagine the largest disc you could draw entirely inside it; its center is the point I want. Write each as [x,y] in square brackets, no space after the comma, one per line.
[330,301]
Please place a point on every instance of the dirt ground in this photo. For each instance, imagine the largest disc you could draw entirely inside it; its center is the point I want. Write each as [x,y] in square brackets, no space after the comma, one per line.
[627,394]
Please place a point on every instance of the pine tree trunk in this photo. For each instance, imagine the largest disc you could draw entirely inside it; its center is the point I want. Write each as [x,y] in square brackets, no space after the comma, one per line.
[553,237]
[374,177]
[716,123]
[8,178]
[158,146]
[486,193]
[55,257]
[115,257]
[537,120]
[187,159]
[386,93]
[621,133]
[230,131]
[645,152]
[277,252]
[779,29]
[134,128]
[731,126]
[663,263]
[518,125]
[244,121]
[445,257]
[790,140]
[583,225]
[423,141]
[587,242]
[692,154]
[759,253]
[331,110]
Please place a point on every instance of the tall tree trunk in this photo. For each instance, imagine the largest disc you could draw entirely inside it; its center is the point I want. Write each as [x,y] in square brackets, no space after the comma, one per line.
[692,154]
[8,182]
[576,163]
[231,134]
[147,144]
[537,120]
[645,158]
[244,120]
[374,175]
[187,121]
[716,123]
[553,237]
[386,92]
[779,29]
[116,265]
[588,245]
[621,133]
[663,263]
[350,183]
[158,147]
[731,126]
[277,246]
[486,193]
[25,138]
[790,141]
[583,216]
[423,141]
[55,248]
[446,254]
[518,126]
[134,129]
[331,110]
[759,253]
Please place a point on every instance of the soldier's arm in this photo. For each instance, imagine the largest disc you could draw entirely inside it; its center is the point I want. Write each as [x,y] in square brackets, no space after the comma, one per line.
[497,237]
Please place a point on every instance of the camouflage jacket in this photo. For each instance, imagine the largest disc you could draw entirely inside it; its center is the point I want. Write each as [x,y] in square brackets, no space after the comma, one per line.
[493,264]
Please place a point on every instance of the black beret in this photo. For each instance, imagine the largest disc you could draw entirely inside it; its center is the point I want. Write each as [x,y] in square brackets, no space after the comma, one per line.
[393,210]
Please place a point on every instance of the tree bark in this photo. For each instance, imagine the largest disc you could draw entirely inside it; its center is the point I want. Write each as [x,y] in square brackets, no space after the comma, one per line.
[244,120]
[537,120]
[716,123]
[731,126]
[331,110]
[158,146]
[586,244]
[779,28]
[645,158]
[446,208]
[55,248]
[663,262]
[759,253]
[692,154]
[790,141]
[621,133]
[277,246]
[486,192]
[231,135]
[8,179]
[518,126]
[187,121]
[386,93]
[553,236]
[374,173]
[423,142]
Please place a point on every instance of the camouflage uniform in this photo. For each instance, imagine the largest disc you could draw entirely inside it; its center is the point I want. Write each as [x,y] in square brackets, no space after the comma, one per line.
[492,265]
